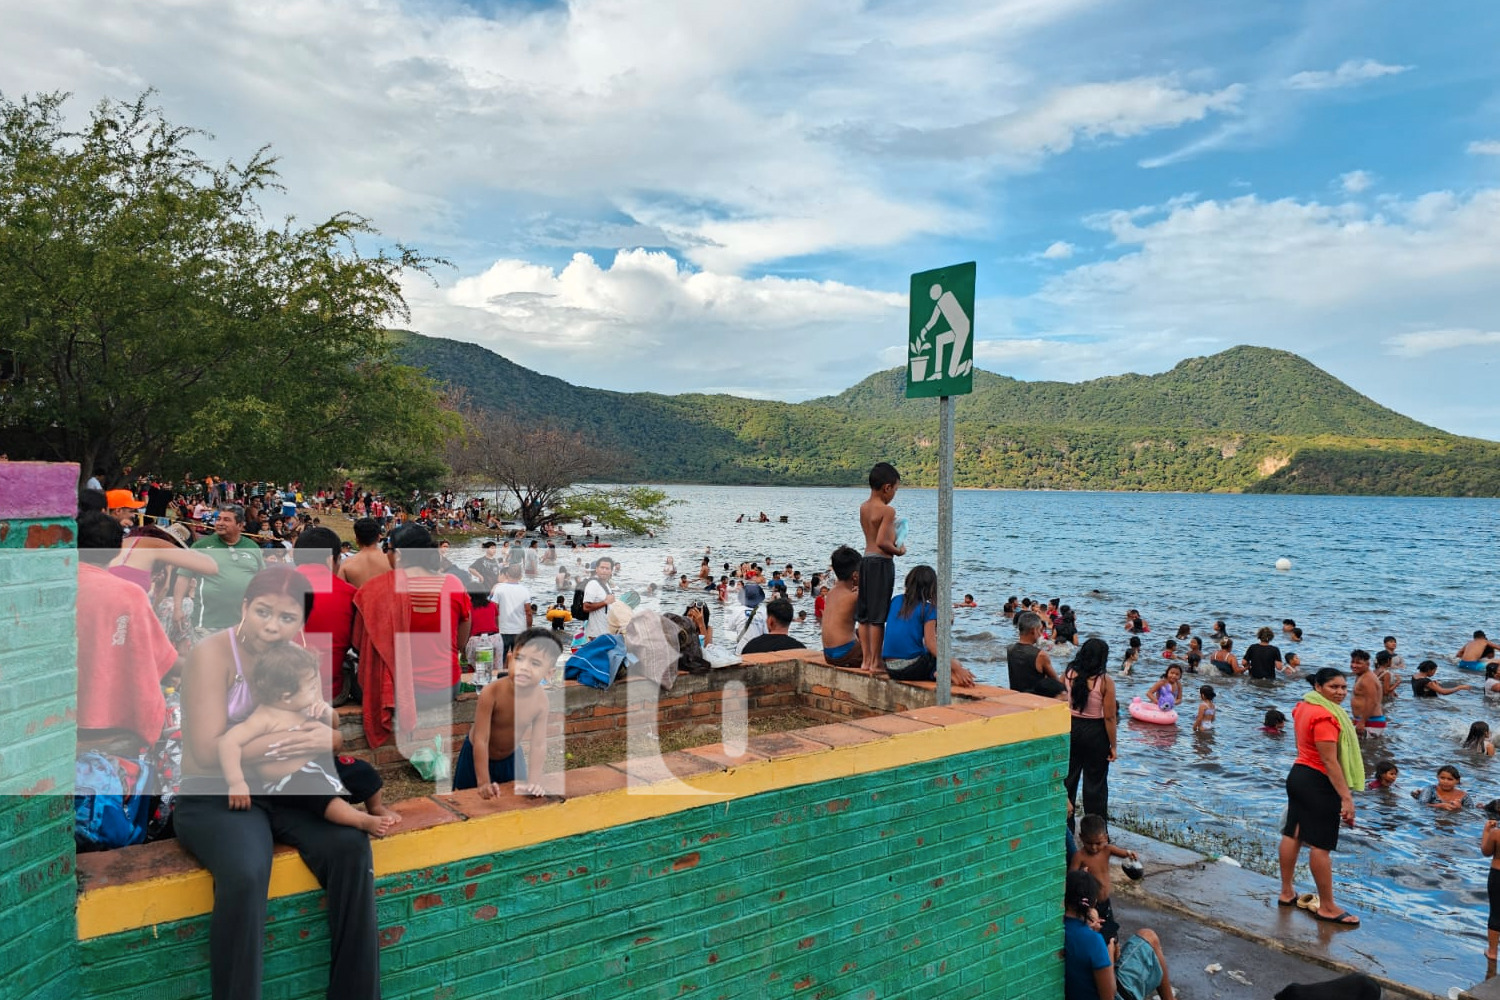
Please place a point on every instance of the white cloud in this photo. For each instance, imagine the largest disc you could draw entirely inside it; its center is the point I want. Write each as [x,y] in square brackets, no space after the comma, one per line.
[1060,250]
[1356,181]
[1338,284]
[1422,342]
[644,322]
[708,123]
[1485,147]
[1350,73]
[1049,124]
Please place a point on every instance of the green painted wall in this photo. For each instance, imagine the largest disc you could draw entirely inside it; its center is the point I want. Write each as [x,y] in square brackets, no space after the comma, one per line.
[38,699]
[940,879]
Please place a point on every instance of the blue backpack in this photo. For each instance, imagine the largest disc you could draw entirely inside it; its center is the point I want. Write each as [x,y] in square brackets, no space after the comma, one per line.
[597,662]
[111,801]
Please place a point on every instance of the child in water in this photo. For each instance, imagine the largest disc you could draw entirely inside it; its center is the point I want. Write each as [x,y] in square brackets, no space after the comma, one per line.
[1206,711]
[1446,794]
[1169,651]
[1274,723]
[1167,692]
[1132,653]
[1386,773]
[1479,739]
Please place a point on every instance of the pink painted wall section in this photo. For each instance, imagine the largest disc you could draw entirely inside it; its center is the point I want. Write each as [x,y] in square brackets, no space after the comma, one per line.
[36,490]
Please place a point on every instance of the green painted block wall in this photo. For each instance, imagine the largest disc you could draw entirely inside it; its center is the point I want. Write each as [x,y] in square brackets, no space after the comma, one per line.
[936,879]
[38,703]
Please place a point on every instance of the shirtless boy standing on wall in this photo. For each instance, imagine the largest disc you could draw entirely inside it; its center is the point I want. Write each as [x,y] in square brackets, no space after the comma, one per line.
[877,570]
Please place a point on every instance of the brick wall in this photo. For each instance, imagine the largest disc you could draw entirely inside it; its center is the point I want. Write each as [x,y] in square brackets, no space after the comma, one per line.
[766,683]
[38,699]
[932,879]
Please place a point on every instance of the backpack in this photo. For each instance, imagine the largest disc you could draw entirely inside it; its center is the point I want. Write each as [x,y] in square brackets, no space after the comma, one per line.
[577,609]
[111,801]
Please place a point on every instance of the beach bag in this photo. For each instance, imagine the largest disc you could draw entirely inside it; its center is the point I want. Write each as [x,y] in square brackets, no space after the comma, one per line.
[597,662]
[111,800]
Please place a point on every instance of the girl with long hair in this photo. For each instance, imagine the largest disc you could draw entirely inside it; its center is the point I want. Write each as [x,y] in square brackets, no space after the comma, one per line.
[1091,699]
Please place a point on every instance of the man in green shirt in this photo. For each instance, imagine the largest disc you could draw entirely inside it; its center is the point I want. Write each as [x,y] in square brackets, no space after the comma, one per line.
[239,559]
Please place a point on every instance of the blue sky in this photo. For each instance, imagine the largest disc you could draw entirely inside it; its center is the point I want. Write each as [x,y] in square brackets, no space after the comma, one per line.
[690,195]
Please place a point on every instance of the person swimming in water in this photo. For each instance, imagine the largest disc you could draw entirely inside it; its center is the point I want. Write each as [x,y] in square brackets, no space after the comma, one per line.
[1475,652]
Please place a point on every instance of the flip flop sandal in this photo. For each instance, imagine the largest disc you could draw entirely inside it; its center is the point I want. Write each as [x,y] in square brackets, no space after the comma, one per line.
[1341,918]
[1287,902]
[1308,901]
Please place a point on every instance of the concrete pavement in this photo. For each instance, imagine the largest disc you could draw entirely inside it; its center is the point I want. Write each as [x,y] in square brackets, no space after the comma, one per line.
[1209,912]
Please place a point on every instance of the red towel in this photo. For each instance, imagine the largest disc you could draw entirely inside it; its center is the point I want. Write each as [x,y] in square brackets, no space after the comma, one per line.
[380,614]
[123,653]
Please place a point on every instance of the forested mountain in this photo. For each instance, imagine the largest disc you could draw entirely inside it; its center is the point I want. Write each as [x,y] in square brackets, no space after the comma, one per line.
[1246,419]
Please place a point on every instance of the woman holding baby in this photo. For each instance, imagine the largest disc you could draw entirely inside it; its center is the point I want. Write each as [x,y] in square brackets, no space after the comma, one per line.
[235,844]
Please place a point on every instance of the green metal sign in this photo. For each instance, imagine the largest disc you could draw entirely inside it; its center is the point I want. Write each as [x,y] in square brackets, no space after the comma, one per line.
[940,343]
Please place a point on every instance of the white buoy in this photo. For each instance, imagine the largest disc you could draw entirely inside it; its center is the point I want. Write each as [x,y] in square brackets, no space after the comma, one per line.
[1283,564]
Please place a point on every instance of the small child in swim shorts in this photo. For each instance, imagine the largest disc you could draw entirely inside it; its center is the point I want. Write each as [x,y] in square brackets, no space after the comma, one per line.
[289,695]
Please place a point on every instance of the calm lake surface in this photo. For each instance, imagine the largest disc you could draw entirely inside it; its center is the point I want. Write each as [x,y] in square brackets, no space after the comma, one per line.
[1362,568]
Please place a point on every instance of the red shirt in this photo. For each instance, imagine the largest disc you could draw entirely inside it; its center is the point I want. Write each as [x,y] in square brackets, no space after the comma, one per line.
[487,619]
[329,628]
[434,654]
[1313,724]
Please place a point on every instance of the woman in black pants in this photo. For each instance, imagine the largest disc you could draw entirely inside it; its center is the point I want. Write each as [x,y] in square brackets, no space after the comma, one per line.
[235,845]
[1091,697]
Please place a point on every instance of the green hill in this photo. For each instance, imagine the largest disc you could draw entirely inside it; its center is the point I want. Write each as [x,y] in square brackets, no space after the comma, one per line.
[1247,419]
[1242,389]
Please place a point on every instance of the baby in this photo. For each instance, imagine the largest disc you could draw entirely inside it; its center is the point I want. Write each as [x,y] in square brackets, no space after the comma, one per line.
[288,694]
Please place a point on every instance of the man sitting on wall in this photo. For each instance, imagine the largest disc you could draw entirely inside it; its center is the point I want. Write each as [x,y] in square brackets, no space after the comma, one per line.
[778,619]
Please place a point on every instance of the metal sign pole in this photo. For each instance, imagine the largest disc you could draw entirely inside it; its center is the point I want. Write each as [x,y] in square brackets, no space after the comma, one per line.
[940,365]
[945,552]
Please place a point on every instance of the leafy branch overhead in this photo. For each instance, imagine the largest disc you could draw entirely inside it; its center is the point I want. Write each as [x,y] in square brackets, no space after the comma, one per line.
[156,321]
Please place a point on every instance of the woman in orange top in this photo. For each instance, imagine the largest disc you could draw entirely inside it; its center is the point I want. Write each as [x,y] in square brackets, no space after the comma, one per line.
[1318,797]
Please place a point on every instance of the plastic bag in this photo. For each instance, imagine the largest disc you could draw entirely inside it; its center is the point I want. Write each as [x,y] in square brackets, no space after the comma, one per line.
[431,762]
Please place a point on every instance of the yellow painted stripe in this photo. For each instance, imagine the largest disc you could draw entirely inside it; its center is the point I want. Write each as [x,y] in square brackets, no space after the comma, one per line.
[113,909]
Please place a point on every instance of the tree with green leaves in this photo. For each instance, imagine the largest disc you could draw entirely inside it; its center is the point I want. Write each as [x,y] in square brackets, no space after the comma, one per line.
[151,318]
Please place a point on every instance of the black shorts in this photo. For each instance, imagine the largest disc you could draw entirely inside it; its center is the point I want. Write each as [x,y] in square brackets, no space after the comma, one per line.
[312,788]
[877,580]
[1312,808]
[1494,892]
[923,668]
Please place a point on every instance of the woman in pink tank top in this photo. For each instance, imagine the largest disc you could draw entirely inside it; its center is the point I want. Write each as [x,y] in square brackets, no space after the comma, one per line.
[1091,698]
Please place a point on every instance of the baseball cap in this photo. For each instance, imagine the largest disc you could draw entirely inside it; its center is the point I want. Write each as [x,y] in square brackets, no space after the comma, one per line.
[115,499]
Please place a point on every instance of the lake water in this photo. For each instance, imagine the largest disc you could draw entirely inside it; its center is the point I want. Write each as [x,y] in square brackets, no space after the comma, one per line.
[1362,568]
